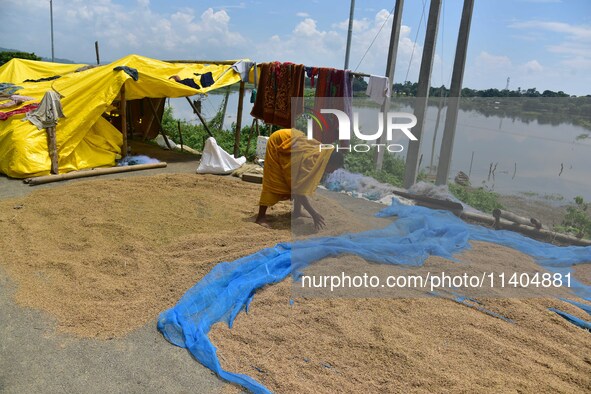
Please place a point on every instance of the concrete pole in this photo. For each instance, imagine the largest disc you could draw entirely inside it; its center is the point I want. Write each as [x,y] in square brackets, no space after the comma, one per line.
[390,67]
[455,92]
[349,35]
[51,22]
[412,155]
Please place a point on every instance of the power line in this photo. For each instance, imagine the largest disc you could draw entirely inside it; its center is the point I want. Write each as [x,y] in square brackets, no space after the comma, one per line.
[415,42]
[374,39]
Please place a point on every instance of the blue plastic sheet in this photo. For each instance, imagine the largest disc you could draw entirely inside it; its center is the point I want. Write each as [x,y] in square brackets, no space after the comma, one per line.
[137,159]
[417,234]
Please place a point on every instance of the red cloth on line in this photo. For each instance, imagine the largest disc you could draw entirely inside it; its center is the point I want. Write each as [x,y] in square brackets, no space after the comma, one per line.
[21,110]
[333,91]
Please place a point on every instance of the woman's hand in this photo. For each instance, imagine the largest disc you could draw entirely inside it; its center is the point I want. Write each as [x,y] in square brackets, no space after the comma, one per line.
[318,221]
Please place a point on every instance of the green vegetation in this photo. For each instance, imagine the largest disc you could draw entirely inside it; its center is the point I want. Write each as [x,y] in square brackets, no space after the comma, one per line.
[410,89]
[195,135]
[546,196]
[8,55]
[392,171]
[577,220]
[479,198]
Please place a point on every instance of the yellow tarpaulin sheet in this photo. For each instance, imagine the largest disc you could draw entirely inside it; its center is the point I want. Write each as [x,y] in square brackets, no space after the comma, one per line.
[84,138]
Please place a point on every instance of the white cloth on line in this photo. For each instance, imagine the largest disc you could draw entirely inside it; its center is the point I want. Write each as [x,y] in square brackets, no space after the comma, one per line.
[243,67]
[378,88]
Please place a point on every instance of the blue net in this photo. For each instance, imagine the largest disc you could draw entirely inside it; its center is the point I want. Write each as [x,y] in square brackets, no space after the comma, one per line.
[417,234]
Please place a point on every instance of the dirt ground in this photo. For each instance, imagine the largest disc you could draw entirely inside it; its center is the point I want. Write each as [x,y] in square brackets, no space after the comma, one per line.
[87,266]
[385,345]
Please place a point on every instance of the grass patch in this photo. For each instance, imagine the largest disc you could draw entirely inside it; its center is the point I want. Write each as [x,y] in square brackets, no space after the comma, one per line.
[479,198]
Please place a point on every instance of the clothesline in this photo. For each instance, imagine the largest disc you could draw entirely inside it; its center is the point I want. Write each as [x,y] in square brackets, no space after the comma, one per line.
[231,62]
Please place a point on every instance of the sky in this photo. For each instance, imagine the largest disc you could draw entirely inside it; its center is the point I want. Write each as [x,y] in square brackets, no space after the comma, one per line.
[543,44]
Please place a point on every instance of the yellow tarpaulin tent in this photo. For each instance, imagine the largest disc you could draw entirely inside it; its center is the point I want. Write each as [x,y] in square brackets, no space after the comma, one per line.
[85,139]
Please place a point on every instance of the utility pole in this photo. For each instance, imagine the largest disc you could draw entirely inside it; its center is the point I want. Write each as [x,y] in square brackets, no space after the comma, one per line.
[390,67]
[422,96]
[455,91]
[51,22]
[349,35]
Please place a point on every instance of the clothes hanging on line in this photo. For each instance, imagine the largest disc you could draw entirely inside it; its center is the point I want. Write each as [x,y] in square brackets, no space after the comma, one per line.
[378,88]
[334,90]
[14,100]
[21,110]
[243,67]
[279,84]
[312,72]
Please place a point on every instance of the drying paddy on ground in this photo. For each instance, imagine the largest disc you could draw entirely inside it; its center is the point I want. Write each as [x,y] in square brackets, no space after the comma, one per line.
[105,257]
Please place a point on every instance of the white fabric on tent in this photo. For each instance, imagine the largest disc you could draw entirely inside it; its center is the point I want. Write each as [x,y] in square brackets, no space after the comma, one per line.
[215,160]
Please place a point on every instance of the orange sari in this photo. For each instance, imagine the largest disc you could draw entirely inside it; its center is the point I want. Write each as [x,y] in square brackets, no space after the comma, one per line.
[293,165]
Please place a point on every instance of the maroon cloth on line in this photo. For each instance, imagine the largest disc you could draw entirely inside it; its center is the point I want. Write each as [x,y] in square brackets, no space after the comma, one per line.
[278,84]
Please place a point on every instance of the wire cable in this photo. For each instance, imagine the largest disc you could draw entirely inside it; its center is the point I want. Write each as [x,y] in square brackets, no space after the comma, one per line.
[414,45]
[374,39]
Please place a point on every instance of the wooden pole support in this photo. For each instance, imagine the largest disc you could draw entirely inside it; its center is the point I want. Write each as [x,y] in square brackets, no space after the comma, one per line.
[123,114]
[239,120]
[93,172]
[180,135]
[52,147]
[499,213]
[542,234]
[155,113]
[196,111]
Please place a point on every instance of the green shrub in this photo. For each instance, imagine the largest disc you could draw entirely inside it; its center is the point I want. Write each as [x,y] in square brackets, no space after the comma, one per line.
[577,220]
[479,198]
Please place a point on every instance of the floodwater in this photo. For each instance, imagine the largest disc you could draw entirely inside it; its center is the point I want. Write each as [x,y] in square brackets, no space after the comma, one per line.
[507,155]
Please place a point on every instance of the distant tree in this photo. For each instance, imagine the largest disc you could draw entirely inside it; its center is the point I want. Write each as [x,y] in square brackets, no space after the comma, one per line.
[532,92]
[7,56]
[549,93]
[467,92]
[359,85]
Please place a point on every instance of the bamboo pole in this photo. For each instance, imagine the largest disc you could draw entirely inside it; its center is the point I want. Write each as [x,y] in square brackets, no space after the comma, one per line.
[180,134]
[250,136]
[239,121]
[155,113]
[123,114]
[89,173]
[149,125]
[196,111]
[52,147]
[214,62]
[543,234]
[499,213]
